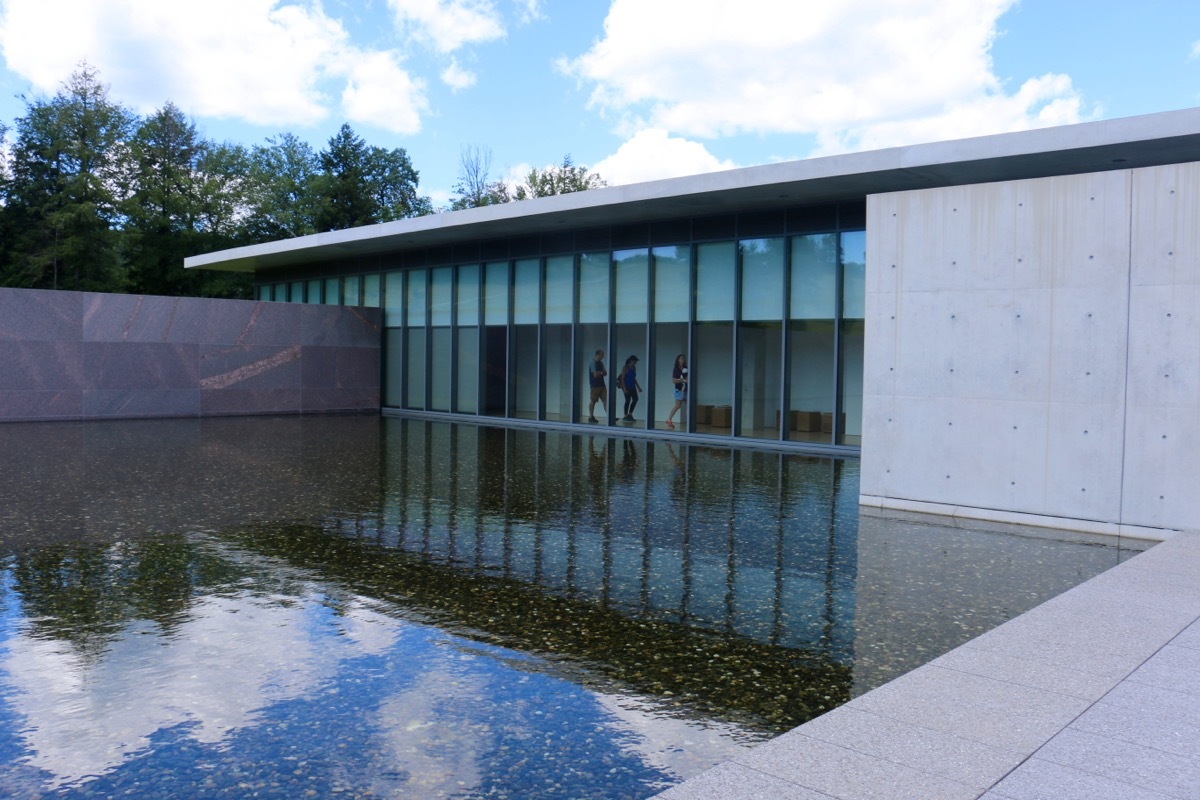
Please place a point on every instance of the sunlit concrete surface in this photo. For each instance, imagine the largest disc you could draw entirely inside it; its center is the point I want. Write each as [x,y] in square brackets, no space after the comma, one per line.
[1094,694]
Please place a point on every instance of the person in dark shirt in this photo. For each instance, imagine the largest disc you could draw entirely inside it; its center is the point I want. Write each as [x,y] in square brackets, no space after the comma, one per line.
[630,386]
[596,376]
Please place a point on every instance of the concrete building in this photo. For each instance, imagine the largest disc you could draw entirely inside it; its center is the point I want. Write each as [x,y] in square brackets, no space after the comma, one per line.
[1005,327]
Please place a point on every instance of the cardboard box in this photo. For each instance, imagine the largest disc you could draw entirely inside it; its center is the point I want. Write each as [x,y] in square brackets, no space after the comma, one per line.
[704,415]
[722,416]
[806,421]
[827,421]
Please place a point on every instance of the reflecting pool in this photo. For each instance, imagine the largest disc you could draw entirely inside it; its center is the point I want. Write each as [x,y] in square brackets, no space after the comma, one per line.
[379,608]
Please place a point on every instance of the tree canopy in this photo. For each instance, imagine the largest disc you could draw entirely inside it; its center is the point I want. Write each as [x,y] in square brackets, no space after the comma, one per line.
[94,197]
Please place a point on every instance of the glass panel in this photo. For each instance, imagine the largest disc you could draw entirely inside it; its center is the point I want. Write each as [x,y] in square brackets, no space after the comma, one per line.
[527,288]
[333,291]
[593,374]
[393,299]
[393,371]
[556,360]
[415,307]
[441,289]
[633,270]
[594,270]
[468,296]
[263,292]
[495,293]
[296,292]
[814,276]
[671,291]
[440,358]
[370,287]
[524,375]
[314,292]
[854,261]
[468,371]
[560,285]
[279,293]
[714,281]
[631,343]
[711,372]
[351,289]
[760,349]
[762,279]
[415,368]
[811,380]
[670,342]
[495,370]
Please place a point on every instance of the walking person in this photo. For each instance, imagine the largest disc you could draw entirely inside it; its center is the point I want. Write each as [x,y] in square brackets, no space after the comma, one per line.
[679,377]
[599,389]
[630,386]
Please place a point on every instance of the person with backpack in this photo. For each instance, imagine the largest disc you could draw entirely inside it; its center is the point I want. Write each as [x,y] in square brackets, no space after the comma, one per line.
[627,382]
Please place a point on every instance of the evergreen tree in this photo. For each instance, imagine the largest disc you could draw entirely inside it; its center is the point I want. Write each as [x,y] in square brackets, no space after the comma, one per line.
[161,226]
[282,201]
[64,199]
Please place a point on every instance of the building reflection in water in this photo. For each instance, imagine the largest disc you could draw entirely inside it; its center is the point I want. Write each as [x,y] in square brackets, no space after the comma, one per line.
[462,609]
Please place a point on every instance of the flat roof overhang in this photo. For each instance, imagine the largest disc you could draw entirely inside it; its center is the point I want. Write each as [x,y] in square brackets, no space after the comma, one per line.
[1152,140]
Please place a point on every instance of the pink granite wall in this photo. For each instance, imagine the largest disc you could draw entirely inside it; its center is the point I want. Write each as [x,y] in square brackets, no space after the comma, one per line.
[79,355]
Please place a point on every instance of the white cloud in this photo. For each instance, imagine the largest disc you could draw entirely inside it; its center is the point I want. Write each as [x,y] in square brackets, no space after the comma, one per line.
[254,60]
[531,10]
[456,77]
[836,70]
[379,92]
[652,154]
[1195,50]
[448,24]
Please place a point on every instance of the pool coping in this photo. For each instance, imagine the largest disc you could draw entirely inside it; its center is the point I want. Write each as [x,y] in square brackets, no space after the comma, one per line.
[1093,694]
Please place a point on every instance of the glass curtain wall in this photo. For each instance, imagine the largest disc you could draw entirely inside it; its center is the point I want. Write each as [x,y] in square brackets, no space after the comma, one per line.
[760,338]
[632,271]
[525,358]
[441,355]
[467,335]
[771,331]
[811,337]
[711,367]
[556,338]
[393,340]
[495,339]
[415,316]
[592,336]
[672,310]
[850,373]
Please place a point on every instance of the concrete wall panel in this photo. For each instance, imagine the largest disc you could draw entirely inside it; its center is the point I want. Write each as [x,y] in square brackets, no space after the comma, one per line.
[1046,340]
[70,355]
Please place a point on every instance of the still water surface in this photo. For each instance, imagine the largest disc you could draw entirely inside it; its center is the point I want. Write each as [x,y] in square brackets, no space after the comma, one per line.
[378,608]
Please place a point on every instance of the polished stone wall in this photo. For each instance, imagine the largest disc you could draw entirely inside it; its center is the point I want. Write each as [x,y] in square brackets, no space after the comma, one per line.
[79,355]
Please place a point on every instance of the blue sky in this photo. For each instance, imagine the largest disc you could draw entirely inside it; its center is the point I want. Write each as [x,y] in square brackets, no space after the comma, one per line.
[636,89]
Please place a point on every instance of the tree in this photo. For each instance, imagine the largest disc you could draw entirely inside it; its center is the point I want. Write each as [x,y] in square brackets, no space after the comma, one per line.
[162,210]
[282,191]
[361,185]
[562,179]
[474,187]
[65,195]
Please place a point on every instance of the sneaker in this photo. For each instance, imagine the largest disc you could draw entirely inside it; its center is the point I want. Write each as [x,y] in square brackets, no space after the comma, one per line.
[630,419]
[592,419]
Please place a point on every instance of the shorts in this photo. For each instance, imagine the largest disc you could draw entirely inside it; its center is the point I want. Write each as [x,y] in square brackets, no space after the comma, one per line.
[600,393]
[681,394]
